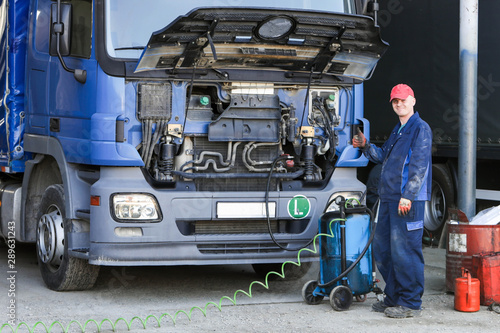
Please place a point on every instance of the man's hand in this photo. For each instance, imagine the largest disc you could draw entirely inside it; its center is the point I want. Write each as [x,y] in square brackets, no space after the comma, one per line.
[359,140]
[404,207]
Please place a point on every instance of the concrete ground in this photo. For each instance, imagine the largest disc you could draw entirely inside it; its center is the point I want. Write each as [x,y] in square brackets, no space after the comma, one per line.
[134,293]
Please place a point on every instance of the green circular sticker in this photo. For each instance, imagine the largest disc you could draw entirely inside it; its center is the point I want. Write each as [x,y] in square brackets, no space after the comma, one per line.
[299,207]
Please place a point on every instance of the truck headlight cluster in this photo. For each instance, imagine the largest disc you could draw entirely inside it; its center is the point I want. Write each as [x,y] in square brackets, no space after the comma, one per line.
[135,207]
[333,206]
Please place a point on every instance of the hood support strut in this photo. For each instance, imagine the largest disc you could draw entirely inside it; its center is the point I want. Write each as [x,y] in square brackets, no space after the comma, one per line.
[194,49]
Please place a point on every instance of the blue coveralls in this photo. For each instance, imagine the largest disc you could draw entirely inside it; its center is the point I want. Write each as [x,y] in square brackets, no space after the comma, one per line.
[397,245]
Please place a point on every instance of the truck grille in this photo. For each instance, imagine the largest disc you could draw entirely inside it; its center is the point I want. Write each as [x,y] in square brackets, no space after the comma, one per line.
[242,227]
[234,227]
[225,248]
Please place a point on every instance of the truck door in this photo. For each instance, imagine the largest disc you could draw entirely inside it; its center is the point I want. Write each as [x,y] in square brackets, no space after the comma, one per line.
[38,60]
[71,103]
[59,105]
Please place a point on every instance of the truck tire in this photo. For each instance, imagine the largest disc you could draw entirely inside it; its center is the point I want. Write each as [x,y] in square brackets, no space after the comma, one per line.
[59,271]
[442,198]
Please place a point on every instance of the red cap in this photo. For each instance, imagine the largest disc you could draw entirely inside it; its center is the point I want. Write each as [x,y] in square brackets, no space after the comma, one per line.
[401,91]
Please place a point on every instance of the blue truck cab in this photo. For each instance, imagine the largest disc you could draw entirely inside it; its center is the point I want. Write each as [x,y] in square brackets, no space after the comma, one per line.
[151,132]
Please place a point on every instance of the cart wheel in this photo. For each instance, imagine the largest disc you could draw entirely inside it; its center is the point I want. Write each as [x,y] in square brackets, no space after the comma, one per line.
[341,298]
[307,293]
[361,298]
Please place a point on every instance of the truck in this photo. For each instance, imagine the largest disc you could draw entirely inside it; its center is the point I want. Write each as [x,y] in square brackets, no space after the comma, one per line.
[424,53]
[152,132]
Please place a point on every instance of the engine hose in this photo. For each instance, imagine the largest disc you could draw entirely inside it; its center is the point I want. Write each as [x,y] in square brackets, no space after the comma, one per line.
[100,325]
[248,175]
[268,185]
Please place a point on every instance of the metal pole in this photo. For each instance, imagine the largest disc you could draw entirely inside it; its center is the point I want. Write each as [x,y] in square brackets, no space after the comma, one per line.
[468,107]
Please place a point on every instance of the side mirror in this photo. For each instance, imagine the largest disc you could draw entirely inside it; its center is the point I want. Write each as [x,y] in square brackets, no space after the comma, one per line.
[61,28]
[60,37]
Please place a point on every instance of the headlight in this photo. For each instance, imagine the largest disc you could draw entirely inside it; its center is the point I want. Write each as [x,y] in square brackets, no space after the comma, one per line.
[354,196]
[277,27]
[135,207]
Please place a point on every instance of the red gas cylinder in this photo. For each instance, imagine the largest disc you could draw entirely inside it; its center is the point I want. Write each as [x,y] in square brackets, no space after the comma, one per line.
[467,293]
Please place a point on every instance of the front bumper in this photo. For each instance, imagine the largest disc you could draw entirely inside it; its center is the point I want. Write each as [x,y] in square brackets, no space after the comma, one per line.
[192,231]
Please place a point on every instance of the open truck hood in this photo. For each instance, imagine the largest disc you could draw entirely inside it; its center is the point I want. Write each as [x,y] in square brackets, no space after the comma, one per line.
[266,39]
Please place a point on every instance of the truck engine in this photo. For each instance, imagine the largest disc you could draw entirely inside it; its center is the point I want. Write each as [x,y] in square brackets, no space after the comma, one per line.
[237,134]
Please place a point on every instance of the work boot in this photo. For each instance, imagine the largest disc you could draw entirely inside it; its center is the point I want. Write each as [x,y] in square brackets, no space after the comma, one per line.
[380,306]
[402,312]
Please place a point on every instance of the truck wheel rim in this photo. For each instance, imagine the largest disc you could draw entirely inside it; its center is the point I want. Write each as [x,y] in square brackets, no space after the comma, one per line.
[436,206]
[51,237]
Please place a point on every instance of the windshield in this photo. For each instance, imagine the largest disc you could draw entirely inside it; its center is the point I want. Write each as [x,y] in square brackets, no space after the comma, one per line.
[130,23]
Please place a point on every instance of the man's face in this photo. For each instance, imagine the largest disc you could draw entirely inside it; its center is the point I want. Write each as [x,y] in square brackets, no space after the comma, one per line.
[403,107]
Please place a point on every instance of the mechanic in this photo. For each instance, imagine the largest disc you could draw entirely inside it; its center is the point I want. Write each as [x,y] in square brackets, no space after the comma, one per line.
[405,185]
